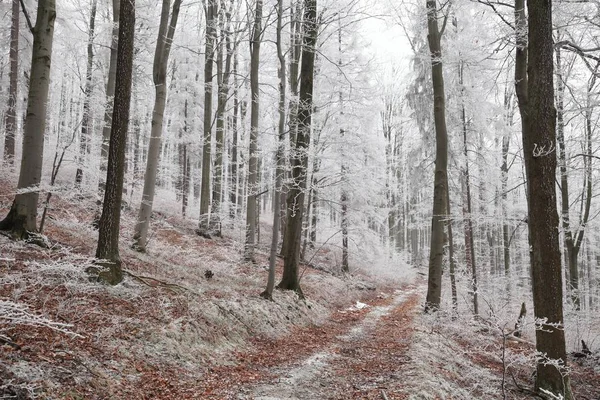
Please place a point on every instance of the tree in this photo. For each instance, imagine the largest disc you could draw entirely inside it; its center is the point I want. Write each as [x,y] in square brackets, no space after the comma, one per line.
[22,218]
[13,91]
[110,92]
[209,59]
[436,252]
[539,145]
[223,75]
[299,157]
[107,251]
[84,141]
[254,116]
[279,157]
[166,31]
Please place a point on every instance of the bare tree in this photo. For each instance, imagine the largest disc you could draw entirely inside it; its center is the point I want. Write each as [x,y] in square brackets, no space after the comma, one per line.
[22,217]
[539,147]
[84,141]
[299,157]
[110,92]
[107,251]
[164,41]
[13,91]
[251,209]
[436,253]
[209,59]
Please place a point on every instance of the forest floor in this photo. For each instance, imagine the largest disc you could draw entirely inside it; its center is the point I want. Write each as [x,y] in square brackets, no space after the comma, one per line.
[168,332]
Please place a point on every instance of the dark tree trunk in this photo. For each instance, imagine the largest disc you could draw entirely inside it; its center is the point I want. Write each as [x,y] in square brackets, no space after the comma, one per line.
[253,187]
[539,142]
[436,253]
[22,217]
[299,161]
[107,251]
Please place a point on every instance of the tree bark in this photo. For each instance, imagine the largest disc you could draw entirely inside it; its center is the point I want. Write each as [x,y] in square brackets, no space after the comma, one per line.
[299,158]
[13,91]
[223,75]
[436,253]
[539,144]
[110,93]
[164,41]
[22,217]
[84,141]
[279,157]
[107,251]
[254,120]
[209,58]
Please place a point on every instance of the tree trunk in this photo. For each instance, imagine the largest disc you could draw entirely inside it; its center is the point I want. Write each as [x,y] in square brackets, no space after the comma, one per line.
[436,252]
[254,119]
[110,93]
[233,191]
[185,164]
[539,141]
[299,159]
[166,32]
[205,190]
[467,209]
[223,74]
[13,91]
[279,157]
[84,140]
[21,219]
[107,251]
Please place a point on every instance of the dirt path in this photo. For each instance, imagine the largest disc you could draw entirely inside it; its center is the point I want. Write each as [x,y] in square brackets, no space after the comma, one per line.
[364,362]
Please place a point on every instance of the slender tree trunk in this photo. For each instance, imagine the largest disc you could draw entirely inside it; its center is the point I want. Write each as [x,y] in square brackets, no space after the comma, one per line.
[467,209]
[539,142]
[223,73]
[504,178]
[185,163]
[205,190]
[254,120]
[13,91]
[110,93]
[279,157]
[436,253]
[452,261]
[107,251]
[166,32]
[22,217]
[233,191]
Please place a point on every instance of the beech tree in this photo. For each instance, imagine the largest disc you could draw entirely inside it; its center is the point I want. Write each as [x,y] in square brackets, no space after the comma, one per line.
[110,92]
[436,252]
[21,220]
[539,145]
[107,251]
[166,31]
[211,9]
[251,209]
[85,139]
[299,156]
[13,91]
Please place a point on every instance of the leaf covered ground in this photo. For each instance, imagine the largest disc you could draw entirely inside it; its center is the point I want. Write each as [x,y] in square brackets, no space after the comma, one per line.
[167,332]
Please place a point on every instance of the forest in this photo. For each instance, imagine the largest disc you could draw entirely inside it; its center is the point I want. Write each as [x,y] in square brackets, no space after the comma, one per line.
[299,199]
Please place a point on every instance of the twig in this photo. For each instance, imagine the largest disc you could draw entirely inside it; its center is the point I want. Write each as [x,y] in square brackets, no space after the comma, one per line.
[145,279]
[8,341]
[384,395]
[26,16]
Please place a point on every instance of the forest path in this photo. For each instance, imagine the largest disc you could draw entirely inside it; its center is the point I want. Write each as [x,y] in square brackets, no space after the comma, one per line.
[364,362]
